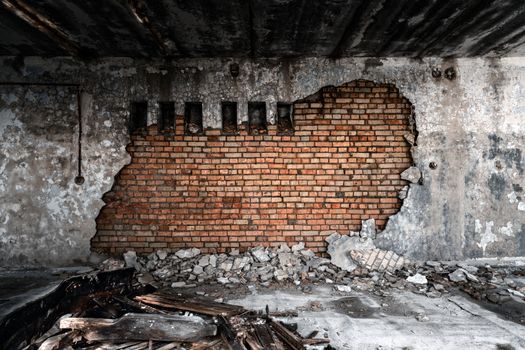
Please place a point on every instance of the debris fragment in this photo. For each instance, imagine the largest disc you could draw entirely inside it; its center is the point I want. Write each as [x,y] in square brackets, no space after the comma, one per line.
[412,174]
[353,251]
[133,326]
[457,276]
[417,279]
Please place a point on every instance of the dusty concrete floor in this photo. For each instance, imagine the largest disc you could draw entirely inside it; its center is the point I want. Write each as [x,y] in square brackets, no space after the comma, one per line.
[401,320]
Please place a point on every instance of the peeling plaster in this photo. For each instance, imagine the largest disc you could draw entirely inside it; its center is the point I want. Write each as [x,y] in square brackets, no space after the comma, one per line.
[487,237]
[470,127]
[507,230]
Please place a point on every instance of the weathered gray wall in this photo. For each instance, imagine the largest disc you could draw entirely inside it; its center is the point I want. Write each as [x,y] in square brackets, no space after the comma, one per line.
[471,205]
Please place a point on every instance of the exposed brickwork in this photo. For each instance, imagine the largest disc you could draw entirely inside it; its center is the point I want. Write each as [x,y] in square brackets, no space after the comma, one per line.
[215,192]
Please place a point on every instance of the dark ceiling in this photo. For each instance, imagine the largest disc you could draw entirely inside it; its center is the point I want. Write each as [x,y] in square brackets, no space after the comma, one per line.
[262,28]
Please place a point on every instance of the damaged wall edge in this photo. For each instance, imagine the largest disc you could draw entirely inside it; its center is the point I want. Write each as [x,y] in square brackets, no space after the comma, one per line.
[469,206]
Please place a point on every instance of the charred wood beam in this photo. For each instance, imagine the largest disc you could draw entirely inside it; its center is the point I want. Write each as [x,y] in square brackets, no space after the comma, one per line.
[46,26]
[140,12]
[142,327]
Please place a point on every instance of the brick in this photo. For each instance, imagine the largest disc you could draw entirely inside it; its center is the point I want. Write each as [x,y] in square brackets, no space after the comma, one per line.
[216,191]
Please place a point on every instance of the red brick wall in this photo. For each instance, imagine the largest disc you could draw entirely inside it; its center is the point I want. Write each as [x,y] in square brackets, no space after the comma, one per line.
[214,192]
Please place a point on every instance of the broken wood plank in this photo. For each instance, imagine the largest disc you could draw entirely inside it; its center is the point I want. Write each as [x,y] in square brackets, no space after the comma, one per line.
[137,306]
[265,337]
[169,346]
[315,341]
[142,327]
[252,342]
[56,342]
[228,336]
[203,345]
[294,341]
[205,303]
[205,307]
[111,346]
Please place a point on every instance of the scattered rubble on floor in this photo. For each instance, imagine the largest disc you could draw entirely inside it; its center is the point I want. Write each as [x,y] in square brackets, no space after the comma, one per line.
[366,268]
[188,268]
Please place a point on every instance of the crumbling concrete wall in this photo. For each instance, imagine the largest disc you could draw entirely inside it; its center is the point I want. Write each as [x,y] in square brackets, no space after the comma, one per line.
[471,204]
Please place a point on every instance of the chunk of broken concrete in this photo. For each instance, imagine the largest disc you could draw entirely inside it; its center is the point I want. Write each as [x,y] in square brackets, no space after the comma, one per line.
[145,278]
[343,288]
[412,174]
[130,258]
[162,254]
[298,247]
[187,253]
[260,254]
[339,248]
[283,248]
[457,276]
[368,229]
[417,279]
[410,138]
[178,284]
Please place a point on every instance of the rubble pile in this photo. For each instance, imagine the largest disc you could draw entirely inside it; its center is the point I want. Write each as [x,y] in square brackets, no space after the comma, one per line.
[484,283]
[355,264]
[188,267]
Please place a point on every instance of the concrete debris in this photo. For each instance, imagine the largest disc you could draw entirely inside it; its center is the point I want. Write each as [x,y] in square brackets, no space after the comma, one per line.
[368,229]
[421,317]
[130,258]
[111,264]
[257,265]
[146,278]
[260,254]
[351,252]
[457,276]
[412,174]
[355,265]
[339,248]
[417,279]
[343,288]
[410,138]
[378,260]
[162,254]
[187,253]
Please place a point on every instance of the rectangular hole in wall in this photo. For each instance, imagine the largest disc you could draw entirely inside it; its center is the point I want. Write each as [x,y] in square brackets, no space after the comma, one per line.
[284,119]
[229,117]
[257,118]
[138,120]
[166,121]
[193,118]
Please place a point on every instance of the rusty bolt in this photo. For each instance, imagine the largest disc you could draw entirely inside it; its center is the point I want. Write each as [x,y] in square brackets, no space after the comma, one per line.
[450,73]
[436,73]
[79,180]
